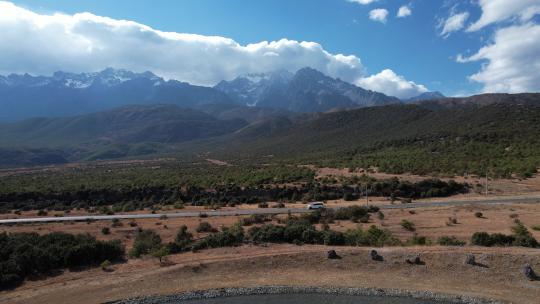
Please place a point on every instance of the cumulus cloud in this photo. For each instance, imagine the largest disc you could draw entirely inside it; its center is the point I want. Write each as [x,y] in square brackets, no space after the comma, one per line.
[363,2]
[41,44]
[513,60]
[378,14]
[404,11]
[454,23]
[390,83]
[499,10]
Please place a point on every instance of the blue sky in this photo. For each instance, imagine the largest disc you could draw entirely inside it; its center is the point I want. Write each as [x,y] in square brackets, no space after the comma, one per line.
[412,46]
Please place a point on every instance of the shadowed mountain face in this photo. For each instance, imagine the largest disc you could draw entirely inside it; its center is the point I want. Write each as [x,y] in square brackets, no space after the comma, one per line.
[67,94]
[126,125]
[307,90]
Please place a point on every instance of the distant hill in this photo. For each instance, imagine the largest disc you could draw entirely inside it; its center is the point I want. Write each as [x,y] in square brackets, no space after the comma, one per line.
[482,100]
[68,94]
[129,124]
[502,136]
[425,96]
[307,90]
[499,133]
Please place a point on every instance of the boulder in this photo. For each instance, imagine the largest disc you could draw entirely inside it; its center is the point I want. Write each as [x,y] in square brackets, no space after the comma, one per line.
[375,256]
[416,260]
[331,254]
[529,272]
[470,259]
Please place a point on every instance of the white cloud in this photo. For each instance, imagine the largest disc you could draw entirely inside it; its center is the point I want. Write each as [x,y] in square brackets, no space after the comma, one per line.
[363,2]
[389,83]
[378,14]
[513,60]
[41,44]
[499,10]
[404,11]
[454,23]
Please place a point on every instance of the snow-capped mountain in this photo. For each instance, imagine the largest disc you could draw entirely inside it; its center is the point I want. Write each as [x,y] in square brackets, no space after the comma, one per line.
[307,90]
[253,89]
[65,94]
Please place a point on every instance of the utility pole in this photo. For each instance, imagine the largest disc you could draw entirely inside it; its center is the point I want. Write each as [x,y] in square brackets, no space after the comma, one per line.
[486,183]
[367,199]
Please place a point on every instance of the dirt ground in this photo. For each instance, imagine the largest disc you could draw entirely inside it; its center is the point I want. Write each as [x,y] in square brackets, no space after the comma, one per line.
[498,275]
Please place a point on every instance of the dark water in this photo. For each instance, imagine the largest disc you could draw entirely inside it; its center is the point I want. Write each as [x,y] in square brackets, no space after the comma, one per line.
[311,299]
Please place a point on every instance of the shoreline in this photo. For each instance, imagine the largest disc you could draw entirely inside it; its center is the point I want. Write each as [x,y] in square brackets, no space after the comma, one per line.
[274,290]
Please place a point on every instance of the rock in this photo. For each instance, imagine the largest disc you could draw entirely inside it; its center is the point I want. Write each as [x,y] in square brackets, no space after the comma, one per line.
[529,272]
[416,260]
[470,259]
[331,254]
[375,256]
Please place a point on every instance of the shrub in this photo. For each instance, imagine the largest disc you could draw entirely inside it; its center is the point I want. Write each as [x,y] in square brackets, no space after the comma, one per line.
[232,236]
[520,237]
[145,242]
[42,213]
[263,205]
[449,241]
[407,225]
[417,240]
[105,230]
[182,241]
[205,227]
[372,237]
[160,253]
[267,233]
[105,265]
[479,214]
[279,205]
[24,254]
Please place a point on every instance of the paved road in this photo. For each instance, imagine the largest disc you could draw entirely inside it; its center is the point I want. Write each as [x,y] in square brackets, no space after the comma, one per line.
[491,201]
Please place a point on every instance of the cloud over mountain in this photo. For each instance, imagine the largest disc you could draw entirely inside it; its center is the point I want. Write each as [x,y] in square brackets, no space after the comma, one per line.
[85,42]
[392,84]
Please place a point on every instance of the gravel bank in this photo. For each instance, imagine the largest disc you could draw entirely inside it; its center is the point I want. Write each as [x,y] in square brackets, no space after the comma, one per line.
[263,290]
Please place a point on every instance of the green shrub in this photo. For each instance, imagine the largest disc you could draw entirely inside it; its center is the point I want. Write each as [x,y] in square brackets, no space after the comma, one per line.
[371,237]
[145,242]
[24,254]
[417,240]
[105,230]
[407,225]
[205,227]
[449,241]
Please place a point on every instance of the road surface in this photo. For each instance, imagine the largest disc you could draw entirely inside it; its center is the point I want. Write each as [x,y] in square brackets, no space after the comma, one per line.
[490,201]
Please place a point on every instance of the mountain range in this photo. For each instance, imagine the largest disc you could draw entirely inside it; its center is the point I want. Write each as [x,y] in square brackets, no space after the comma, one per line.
[307,90]
[67,94]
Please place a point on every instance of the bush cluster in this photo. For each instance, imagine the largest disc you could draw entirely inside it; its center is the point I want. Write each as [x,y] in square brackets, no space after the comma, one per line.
[520,237]
[26,254]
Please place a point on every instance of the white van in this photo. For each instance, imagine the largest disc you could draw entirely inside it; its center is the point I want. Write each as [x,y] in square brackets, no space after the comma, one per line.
[315,205]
